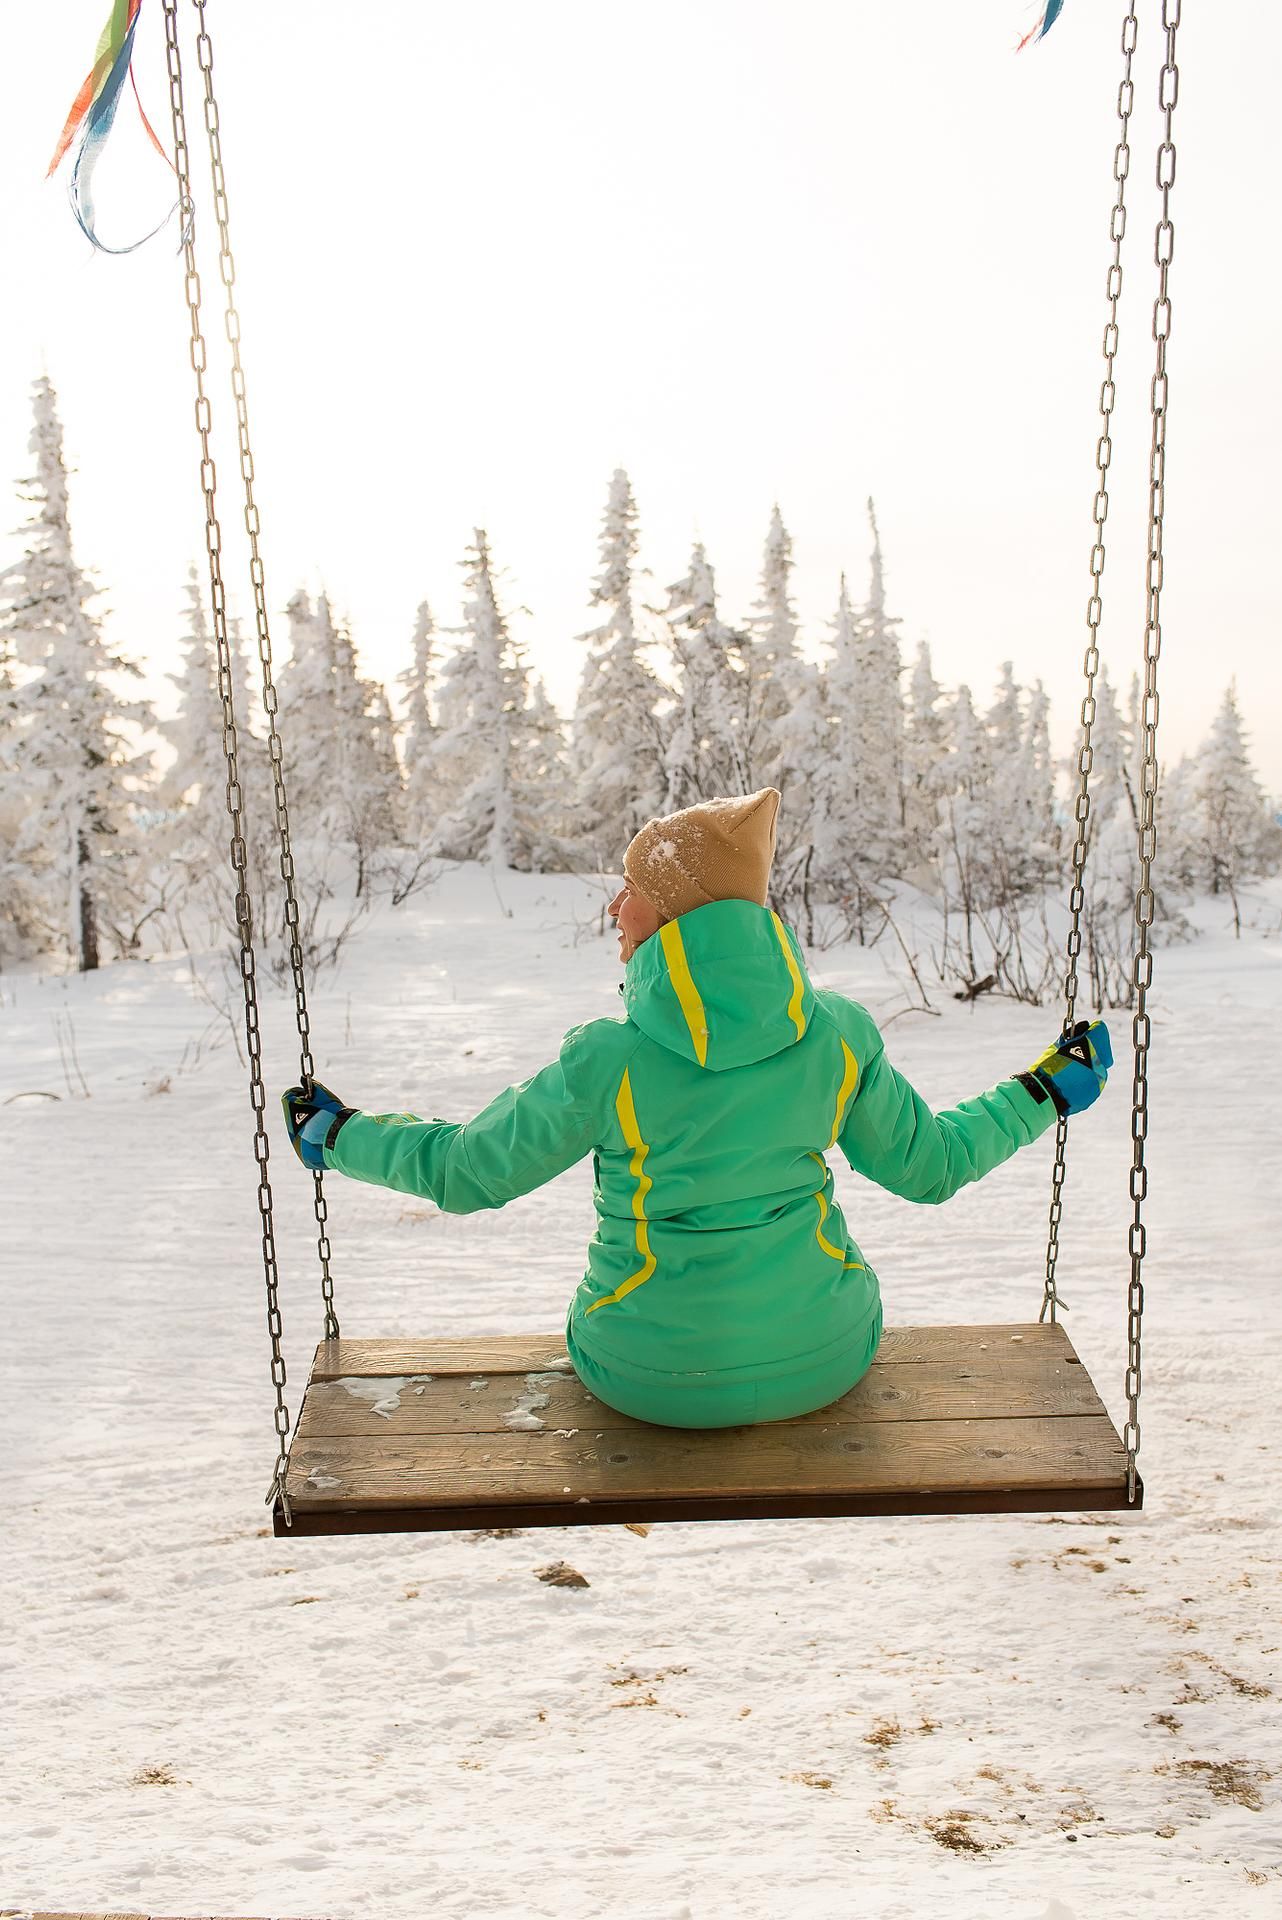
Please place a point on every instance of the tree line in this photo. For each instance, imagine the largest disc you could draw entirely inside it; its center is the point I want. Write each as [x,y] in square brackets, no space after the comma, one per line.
[890,780]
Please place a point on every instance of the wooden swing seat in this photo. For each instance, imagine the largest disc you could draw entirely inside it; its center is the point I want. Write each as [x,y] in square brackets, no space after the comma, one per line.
[399,1436]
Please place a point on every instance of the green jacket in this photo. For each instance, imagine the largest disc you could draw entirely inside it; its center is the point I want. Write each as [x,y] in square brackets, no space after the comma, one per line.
[708,1110]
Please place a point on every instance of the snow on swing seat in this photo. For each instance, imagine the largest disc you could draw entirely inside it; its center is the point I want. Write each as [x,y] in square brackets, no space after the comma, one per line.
[432,1435]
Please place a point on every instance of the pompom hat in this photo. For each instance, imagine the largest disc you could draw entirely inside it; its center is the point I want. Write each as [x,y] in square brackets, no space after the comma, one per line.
[718,850]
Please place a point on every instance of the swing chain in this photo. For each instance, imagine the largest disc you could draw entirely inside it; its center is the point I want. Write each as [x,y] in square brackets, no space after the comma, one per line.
[234,793]
[1168,94]
[227,269]
[1051,1301]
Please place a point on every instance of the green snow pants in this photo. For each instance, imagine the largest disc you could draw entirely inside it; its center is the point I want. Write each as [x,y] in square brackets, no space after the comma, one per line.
[668,1401]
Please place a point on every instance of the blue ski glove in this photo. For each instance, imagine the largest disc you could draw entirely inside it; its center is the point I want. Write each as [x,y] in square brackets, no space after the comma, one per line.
[1074,1070]
[314,1121]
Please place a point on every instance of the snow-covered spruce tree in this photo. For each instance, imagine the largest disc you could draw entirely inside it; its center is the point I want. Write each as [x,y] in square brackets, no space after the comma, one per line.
[807,740]
[1022,809]
[925,770]
[1109,874]
[1112,792]
[881,705]
[1236,836]
[968,830]
[542,806]
[1043,841]
[1179,850]
[309,719]
[16,931]
[867,806]
[197,774]
[385,759]
[193,788]
[343,777]
[773,663]
[368,769]
[78,835]
[501,783]
[194,838]
[865,832]
[418,740]
[619,725]
[709,749]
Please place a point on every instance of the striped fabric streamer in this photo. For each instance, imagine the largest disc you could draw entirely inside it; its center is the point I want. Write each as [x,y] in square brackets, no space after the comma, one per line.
[1050,14]
[92,113]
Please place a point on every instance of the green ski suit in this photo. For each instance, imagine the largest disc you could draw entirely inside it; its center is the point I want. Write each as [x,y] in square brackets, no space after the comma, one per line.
[722,1286]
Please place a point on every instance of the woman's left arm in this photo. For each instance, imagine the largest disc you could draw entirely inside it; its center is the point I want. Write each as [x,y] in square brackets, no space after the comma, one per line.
[526,1136]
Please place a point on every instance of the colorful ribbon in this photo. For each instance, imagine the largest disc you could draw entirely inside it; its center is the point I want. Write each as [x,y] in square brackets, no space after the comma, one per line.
[92,113]
[1050,14]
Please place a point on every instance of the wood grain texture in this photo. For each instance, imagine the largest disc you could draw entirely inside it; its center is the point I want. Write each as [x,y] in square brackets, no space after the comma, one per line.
[402,1435]
[962,1388]
[539,1352]
[655,1462]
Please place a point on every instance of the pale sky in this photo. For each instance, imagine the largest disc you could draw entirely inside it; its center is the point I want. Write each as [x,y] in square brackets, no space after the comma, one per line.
[751,251]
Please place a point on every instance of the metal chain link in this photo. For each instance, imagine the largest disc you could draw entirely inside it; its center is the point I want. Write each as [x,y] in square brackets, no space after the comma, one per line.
[226,686]
[1051,1301]
[227,269]
[1168,93]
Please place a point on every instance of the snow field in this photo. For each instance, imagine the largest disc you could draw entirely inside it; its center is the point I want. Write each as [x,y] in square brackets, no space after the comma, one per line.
[1032,1717]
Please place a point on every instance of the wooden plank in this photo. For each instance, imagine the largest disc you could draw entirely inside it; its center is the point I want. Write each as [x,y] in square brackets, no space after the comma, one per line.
[974,1418]
[662,1464]
[543,1352]
[481,1353]
[987,1383]
[1109,1497]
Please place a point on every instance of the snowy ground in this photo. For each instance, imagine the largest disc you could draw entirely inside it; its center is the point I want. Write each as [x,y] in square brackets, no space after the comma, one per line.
[1027,1717]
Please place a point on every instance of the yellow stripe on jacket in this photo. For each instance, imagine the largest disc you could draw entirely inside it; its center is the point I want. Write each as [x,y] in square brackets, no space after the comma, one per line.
[849,1077]
[845,1090]
[795,1004]
[683,986]
[625,1107]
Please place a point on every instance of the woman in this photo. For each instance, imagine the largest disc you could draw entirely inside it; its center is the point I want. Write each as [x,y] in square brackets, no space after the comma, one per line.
[722,1286]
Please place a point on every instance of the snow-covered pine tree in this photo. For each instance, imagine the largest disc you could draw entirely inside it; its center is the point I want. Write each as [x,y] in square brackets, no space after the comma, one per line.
[925,768]
[773,662]
[15,910]
[881,705]
[864,698]
[856,840]
[198,773]
[1042,843]
[501,787]
[619,726]
[1112,794]
[542,790]
[418,742]
[1005,723]
[78,835]
[1236,835]
[309,719]
[195,837]
[1108,875]
[385,759]
[1022,803]
[708,752]
[369,772]
[808,750]
[968,831]
[1179,845]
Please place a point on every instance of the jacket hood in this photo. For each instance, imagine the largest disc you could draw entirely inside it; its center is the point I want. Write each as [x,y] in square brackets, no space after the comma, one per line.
[724,986]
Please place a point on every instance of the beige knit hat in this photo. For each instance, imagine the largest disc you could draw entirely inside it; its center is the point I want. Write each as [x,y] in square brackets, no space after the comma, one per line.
[719,850]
